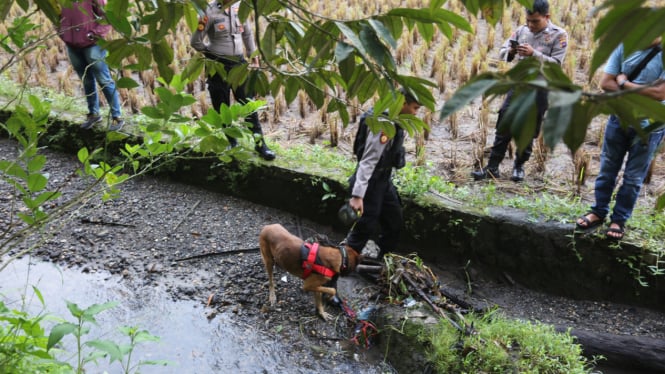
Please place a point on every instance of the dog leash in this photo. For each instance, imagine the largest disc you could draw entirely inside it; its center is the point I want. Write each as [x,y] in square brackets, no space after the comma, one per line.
[364,330]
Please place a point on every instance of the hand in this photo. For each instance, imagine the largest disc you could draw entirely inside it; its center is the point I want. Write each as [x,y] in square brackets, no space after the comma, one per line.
[621,81]
[357,205]
[525,49]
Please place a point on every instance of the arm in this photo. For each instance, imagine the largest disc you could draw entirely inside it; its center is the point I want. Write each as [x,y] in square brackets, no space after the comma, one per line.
[557,54]
[248,40]
[367,164]
[608,82]
[507,52]
[656,91]
[100,30]
[198,37]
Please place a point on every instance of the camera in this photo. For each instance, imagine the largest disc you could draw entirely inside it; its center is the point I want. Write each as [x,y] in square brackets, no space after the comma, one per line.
[514,43]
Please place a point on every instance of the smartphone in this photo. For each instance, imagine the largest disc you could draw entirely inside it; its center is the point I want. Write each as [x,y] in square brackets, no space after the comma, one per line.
[514,43]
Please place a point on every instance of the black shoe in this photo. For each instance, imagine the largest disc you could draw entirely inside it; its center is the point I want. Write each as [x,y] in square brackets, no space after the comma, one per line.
[265,152]
[116,124]
[486,172]
[518,174]
[91,120]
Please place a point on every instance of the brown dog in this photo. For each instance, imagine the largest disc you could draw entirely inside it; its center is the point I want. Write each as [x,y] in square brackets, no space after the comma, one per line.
[280,247]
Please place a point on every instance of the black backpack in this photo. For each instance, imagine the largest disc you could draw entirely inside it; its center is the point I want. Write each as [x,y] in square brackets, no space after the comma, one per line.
[361,135]
[396,159]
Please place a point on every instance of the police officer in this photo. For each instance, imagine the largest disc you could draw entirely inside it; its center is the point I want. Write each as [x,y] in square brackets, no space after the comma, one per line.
[229,40]
[373,193]
[539,39]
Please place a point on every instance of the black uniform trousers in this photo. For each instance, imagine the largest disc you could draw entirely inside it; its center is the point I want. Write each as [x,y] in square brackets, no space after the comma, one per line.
[220,92]
[382,213]
[502,140]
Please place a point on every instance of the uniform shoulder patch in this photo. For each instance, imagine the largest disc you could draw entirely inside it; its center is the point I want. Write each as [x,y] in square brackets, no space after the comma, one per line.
[563,41]
[384,138]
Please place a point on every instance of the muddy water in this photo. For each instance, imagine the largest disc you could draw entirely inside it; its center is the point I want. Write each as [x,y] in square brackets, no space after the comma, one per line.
[188,339]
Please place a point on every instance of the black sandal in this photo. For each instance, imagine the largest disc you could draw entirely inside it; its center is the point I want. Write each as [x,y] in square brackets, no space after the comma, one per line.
[589,224]
[621,230]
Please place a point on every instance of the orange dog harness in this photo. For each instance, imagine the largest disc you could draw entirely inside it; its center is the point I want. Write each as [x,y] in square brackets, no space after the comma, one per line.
[309,263]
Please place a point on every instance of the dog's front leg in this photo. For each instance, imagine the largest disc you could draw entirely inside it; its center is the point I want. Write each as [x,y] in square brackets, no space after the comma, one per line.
[320,310]
[314,284]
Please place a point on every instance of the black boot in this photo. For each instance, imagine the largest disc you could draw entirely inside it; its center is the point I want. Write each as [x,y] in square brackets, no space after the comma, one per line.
[518,173]
[486,172]
[265,152]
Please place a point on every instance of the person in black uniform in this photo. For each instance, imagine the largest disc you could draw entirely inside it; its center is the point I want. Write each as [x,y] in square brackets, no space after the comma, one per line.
[539,39]
[373,194]
[228,42]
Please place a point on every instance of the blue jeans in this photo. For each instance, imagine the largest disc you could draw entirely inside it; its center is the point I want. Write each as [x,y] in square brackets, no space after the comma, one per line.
[90,66]
[616,144]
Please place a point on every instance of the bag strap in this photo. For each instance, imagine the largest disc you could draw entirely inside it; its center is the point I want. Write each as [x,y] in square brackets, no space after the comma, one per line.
[654,51]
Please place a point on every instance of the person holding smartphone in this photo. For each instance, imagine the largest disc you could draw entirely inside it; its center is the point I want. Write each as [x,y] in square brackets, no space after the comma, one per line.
[221,36]
[539,39]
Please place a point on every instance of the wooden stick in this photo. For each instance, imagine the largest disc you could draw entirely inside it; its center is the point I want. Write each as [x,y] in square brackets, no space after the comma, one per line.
[429,301]
[186,215]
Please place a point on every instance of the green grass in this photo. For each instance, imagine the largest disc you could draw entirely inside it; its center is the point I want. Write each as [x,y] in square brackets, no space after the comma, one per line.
[500,345]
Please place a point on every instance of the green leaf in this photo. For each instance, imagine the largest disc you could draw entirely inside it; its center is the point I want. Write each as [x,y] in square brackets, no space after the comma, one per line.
[583,113]
[376,50]
[153,112]
[119,22]
[352,37]
[126,82]
[46,196]
[383,32]
[39,295]
[58,332]
[520,118]
[193,69]
[163,55]
[556,123]
[95,309]
[465,95]
[36,182]
[268,41]
[291,88]
[110,348]
[191,16]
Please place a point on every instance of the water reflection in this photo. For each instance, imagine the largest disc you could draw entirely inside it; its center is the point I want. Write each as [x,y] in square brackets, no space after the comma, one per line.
[187,337]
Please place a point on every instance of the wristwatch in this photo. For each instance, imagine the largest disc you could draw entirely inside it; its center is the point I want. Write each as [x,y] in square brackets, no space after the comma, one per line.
[622,83]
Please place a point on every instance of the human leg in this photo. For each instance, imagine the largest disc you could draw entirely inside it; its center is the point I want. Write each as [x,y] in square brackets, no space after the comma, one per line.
[640,155]
[220,93]
[80,63]
[615,145]
[366,225]
[243,94]
[391,220]
[499,147]
[95,55]
[523,156]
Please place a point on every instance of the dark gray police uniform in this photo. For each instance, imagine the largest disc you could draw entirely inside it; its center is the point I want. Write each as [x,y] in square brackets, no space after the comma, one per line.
[549,45]
[228,41]
[372,181]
